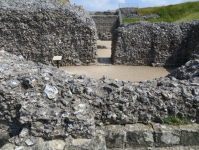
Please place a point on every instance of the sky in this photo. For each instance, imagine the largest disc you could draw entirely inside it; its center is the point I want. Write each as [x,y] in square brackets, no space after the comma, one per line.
[104,5]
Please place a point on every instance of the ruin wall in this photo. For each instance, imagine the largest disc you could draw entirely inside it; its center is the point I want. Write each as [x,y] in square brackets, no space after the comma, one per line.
[128,13]
[106,22]
[40,103]
[157,44]
[39,30]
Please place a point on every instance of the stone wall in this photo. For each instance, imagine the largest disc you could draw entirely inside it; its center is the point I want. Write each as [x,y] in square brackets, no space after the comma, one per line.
[157,44]
[106,22]
[38,30]
[39,104]
[133,13]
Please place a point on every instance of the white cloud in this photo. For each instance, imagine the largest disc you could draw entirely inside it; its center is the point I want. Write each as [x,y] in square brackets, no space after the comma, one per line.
[97,5]
[154,2]
[103,5]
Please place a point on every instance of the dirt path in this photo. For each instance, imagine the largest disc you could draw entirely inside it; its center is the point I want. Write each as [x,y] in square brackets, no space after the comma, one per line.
[126,73]
[105,43]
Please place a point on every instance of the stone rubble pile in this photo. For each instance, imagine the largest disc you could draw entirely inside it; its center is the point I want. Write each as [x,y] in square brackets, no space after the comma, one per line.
[188,71]
[41,29]
[43,101]
[156,44]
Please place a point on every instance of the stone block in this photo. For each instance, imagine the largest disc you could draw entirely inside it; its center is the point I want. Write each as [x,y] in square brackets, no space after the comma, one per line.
[166,135]
[139,135]
[115,136]
[189,134]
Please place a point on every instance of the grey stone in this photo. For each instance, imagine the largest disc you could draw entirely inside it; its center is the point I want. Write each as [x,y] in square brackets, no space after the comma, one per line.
[166,135]
[13,83]
[115,137]
[189,135]
[139,135]
[31,141]
[88,90]
[29,82]
[51,91]
[24,132]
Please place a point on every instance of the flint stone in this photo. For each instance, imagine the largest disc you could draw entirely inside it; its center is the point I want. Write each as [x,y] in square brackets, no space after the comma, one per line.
[79,108]
[1,70]
[88,90]
[13,83]
[50,91]
[31,141]
[1,77]
[23,133]
[20,57]
[64,102]
[29,82]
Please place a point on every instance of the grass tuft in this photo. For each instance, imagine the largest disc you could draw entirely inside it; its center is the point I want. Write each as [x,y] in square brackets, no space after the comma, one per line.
[176,121]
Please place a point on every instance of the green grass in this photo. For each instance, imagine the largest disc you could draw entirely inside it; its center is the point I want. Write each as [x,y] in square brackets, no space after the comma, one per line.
[173,13]
[130,20]
[63,1]
[190,17]
[176,121]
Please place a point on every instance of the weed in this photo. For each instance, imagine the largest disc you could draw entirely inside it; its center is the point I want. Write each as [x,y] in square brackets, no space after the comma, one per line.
[176,120]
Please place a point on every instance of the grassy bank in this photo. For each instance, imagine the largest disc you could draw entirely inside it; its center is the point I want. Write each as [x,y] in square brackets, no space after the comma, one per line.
[173,13]
[63,1]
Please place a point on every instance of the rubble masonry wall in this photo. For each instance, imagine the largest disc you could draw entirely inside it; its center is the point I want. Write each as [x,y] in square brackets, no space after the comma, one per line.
[133,13]
[39,101]
[157,44]
[106,22]
[39,30]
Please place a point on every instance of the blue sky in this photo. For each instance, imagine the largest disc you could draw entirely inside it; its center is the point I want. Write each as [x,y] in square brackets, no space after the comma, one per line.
[103,5]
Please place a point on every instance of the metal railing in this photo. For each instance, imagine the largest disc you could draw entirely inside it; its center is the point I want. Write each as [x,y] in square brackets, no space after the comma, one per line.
[124,5]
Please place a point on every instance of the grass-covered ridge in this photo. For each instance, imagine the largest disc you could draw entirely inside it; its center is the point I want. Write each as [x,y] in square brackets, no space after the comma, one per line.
[187,11]
[64,1]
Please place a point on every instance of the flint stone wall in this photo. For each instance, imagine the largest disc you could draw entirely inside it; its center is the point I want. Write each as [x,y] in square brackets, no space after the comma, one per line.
[106,22]
[133,13]
[39,30]
[43,102]
[157,44]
